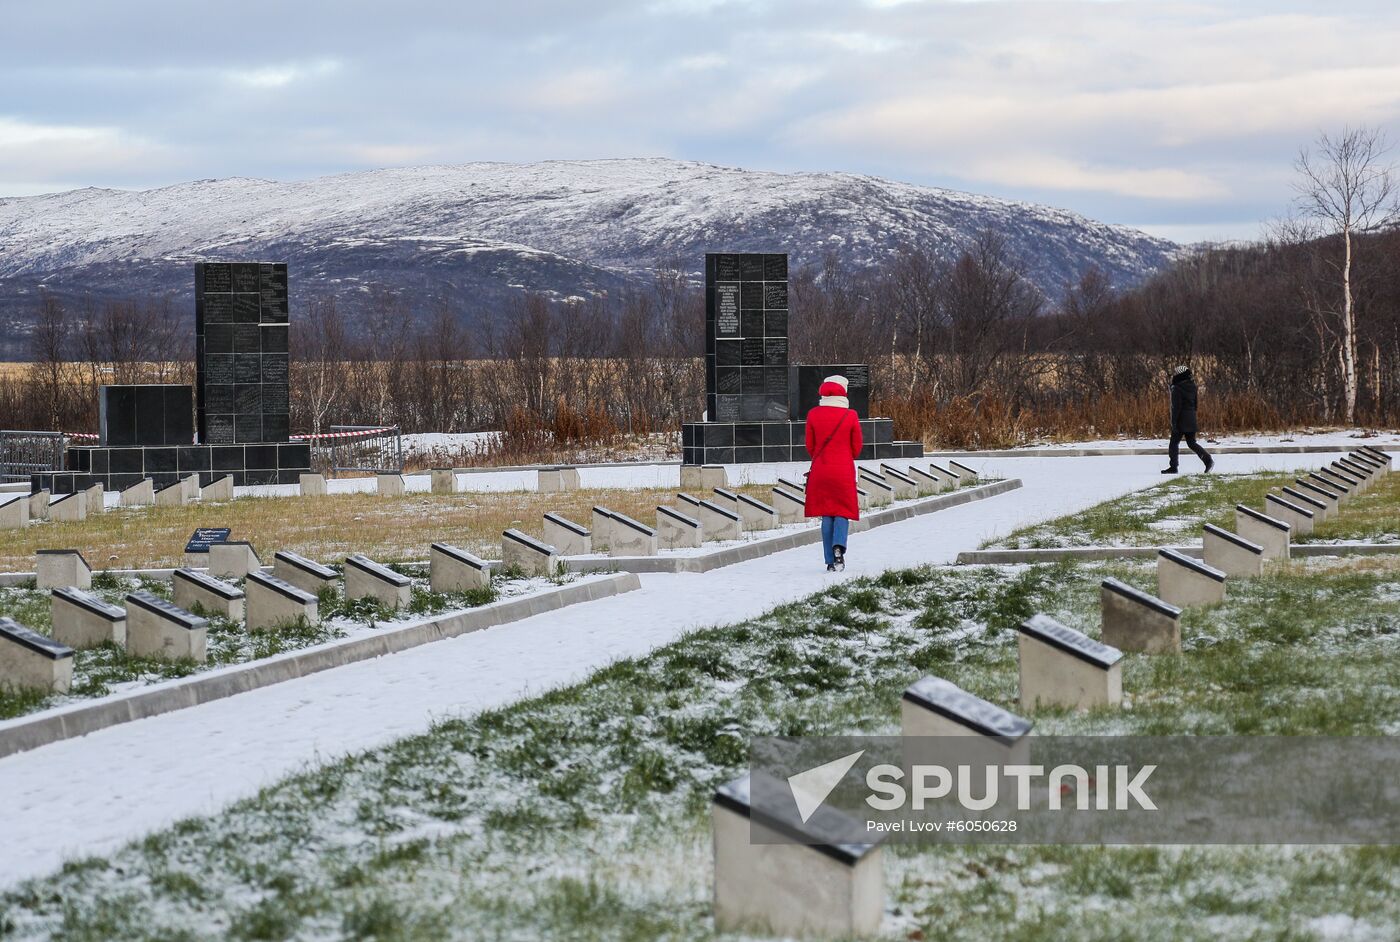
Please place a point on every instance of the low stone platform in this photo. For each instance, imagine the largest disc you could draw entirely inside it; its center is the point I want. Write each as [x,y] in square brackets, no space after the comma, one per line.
[751,442]
[119,468]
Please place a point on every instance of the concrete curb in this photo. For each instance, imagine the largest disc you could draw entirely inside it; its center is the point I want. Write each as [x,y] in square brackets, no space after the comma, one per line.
[731,555]
[1162,451]
[1297,550]
[79,719]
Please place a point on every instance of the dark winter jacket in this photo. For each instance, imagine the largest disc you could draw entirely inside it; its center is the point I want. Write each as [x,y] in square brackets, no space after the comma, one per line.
[1184,404]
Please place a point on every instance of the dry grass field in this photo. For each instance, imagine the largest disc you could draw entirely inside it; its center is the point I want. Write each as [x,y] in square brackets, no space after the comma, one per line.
[328,528]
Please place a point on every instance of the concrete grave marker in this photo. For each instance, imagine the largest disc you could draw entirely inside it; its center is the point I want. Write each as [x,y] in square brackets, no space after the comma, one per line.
[675,530]
[1318,492]
[140,494]
[232,559]
[707,477]
[949,479]
[802,890]
[96,500]
[366,578]
[964,473]
[455,570]
[933,706]
[1298,517]
[443,481]
[602,529]
[1382,455]
[82,620]
[213,595]
[1330,486]
[312,485]
[197,547]
[1353,479]
[191,482]
[1355,469]
[1373,465]
[218,490]
[793,487]
[1320,507]
[389,485]
[271,602]
[927,483]
[863,500]
[59,567]
[306,574]
[791,508]
[172,495]
[1063,667]
[14,512]
[1186,582]
[558,480]
[719,523]
[1231,554]
[905,487]
[31,661]
[69,508]
[727,499]
[1342,482]
[755,514]
[39,505]
[567,537]
[1273,535]
[881,493]
[525,554]
[631,538]
[156,628]
[1135,621]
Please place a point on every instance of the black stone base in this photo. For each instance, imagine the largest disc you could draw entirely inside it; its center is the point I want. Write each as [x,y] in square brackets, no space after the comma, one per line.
[118,468]
[752,442]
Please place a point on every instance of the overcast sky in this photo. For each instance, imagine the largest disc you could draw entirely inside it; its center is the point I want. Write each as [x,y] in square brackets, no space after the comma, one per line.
[1182,118]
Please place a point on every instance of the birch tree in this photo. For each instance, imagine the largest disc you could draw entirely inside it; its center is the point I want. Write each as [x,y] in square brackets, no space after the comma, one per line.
[1346,188]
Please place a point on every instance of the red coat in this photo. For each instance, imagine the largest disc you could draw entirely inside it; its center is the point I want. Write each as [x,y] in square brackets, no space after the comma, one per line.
[831,484]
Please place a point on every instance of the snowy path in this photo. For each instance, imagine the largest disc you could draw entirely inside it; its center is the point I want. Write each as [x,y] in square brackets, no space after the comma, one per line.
[89,795]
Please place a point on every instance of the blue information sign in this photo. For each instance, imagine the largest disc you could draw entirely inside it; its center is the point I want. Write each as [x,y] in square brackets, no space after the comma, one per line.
[204,536]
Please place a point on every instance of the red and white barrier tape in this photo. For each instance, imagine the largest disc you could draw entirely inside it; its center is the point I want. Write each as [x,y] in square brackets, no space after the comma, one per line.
[80,434]
[360,433]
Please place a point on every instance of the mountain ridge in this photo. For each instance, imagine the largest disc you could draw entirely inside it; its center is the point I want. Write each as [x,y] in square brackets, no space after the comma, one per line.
[489,229]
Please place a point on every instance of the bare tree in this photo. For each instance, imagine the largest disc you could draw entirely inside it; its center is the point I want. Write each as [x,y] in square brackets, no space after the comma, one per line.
[1347,188]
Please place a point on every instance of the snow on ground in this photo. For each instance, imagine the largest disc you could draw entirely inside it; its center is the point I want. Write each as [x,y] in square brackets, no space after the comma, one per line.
[1346,439]
[89,795]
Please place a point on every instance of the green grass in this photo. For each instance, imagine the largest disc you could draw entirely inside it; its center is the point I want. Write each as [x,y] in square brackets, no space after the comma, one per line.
[1174,511]
[583,813]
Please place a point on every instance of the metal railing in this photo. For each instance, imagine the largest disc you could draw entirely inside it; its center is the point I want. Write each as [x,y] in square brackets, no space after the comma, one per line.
[372,448]
[23,453]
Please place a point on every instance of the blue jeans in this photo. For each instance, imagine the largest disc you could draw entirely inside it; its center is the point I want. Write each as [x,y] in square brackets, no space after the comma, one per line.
[834,531]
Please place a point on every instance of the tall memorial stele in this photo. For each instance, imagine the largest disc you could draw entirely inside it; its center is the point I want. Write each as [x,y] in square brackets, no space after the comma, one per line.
[756,402]
[241,399]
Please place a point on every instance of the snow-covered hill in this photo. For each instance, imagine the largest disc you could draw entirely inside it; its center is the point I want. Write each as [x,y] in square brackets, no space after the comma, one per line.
[566,227]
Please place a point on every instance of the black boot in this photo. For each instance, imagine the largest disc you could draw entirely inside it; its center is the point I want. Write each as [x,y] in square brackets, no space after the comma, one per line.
[1169,471]
[1210,463]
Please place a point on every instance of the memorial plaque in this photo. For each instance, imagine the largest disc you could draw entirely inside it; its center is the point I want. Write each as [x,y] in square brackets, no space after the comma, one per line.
[242,367]
[751,296]
[274,340]
[752,351]
[275,427]
[751,267]
[727,408]
[274,399]
[727,268]
[751,380]
[217,278]
[775,324]
[804,383]
[218,429]
[247,338]
[218,309]
[775,295]
[247,368]
[775,267]
[729,353]
[246,309]
[274,369]
[752,323]
[726,310]
[727,379]
[218,398]
[245,277]
[775,351]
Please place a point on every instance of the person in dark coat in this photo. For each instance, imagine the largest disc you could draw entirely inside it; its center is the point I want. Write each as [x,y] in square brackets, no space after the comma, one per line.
[834,442]
[1184,420]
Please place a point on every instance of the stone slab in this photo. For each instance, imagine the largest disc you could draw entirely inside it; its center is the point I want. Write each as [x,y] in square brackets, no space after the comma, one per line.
[215,596]
[1186,582]
[1275,536]
[218,490]
[306,574]
[1063,667]
[32,661]
[61,567]
[389,485]
[1132,620]
[366,578]
[82,620]
[70,508]
[271,602]
[455,570]
[567,537]
[1231,553]
[156,628]
[233,559]
[312,485]
[675,530]
[526,555]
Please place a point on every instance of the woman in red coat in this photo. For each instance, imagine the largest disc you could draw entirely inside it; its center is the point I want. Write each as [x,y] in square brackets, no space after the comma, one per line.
[834,442]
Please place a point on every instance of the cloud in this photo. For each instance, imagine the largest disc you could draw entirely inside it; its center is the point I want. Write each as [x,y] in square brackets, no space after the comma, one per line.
[1056,173]
[279,76]
[31,153]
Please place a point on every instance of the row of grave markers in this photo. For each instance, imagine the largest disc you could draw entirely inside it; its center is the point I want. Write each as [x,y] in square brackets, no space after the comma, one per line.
[692,521]
[837,891]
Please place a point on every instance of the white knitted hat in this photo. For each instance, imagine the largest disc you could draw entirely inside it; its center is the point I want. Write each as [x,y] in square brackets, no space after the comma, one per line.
[839,380]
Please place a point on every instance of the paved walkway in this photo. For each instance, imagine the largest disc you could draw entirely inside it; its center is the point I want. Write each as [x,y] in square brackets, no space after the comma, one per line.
[89,795]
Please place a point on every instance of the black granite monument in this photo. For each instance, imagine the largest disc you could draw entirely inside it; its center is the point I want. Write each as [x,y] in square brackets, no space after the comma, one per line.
[756,402]
[241,370]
